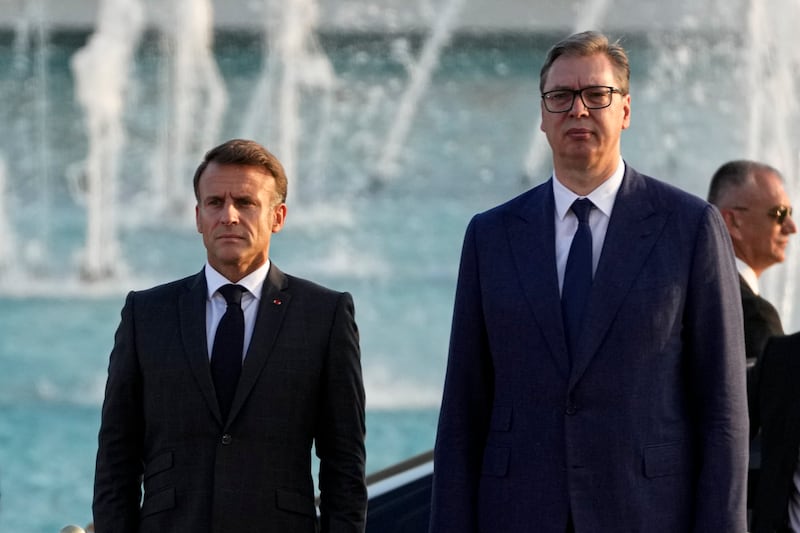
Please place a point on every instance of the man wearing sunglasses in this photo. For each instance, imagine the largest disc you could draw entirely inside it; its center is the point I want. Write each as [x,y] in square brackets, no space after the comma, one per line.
[757,211]
[758,214]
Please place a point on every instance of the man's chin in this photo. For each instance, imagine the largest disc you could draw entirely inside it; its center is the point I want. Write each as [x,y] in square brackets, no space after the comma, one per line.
[779,257]
[228,256]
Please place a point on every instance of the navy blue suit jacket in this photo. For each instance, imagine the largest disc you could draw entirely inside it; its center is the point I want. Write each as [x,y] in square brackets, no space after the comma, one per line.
[646,430]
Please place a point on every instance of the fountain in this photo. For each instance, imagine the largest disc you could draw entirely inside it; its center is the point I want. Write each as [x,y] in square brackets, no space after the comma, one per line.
[419,79]
[107,120]
[102,70]
[196,100]
[7,245]
[770,74]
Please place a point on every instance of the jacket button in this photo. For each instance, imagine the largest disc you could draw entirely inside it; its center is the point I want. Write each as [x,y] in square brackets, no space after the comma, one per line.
[226,439]
[571,409]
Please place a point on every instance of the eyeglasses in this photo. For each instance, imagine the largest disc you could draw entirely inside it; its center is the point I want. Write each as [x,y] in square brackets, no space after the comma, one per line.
[778,212]
[593,97]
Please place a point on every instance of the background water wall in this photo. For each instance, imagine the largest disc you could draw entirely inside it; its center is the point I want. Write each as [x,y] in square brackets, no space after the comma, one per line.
[399,120]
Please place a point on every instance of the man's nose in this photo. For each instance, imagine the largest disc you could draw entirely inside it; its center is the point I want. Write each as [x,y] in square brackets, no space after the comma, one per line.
[578,107]
[788,225]
[229,215]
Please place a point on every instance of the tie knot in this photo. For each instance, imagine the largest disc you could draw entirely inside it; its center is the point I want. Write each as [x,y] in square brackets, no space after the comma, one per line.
[581,208]
[232,293]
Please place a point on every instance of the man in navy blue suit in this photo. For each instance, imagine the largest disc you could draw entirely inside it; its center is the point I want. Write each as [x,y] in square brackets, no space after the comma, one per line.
[613,403]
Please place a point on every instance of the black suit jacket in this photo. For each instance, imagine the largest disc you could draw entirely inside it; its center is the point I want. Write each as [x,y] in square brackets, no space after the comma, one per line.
[161,426]
[761,321]
[778,414]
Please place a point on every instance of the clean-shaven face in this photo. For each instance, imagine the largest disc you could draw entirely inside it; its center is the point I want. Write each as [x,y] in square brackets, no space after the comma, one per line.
[237,215]
[585,139]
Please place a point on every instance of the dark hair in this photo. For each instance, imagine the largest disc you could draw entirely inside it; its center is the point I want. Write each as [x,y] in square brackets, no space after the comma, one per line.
[585,44]
[734,174]
[247,153]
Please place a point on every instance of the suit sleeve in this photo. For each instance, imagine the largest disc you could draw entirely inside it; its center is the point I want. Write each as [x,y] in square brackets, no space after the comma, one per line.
[340,438]
[466,404]
[714,347]
[761,322]
[117,485]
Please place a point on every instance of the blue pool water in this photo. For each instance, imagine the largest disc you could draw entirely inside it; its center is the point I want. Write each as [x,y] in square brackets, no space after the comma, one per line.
[394,243]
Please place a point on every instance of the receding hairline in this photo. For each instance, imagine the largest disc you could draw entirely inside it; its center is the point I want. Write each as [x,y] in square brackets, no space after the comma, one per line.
[734,176]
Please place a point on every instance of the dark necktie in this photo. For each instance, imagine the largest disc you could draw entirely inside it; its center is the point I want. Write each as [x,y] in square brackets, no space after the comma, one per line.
[577,275]
[226,354]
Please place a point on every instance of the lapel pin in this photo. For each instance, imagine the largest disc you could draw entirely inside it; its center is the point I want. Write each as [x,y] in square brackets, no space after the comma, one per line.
[277,301]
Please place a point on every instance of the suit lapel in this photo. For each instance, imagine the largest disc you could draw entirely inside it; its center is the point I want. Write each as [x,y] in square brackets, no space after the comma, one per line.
[275,299]
[633,230]
[192,309]
[531,231]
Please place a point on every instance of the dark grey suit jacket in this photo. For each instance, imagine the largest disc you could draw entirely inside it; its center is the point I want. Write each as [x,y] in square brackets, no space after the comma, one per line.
[161,426]
[777,413]
[646,430]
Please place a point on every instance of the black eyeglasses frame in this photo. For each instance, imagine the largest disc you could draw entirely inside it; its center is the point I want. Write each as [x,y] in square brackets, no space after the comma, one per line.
[579,92]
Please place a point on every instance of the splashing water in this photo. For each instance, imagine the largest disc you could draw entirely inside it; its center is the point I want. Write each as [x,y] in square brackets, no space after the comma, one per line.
[421,73]
[102,72]
[7,243]
[771,85]
[197,101]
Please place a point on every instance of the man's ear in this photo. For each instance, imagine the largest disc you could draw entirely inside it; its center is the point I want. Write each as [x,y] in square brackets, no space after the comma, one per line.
[280,218]
[731,222]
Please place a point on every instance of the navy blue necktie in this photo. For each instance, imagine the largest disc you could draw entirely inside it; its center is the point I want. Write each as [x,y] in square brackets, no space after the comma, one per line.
[577,275]
[226,354]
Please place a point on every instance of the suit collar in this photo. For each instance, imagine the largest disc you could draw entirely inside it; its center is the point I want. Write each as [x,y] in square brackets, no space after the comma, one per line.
[253,282]
[275,300]
[747,275]
[192,310]
[531,231]
[603,196]
[633,230]
[746,290]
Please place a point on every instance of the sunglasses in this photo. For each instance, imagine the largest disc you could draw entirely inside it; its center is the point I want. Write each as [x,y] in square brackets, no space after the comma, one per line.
[778,212]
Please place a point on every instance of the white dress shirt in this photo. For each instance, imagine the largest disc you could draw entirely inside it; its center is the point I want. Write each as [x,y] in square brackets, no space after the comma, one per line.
[603,198]
[216,304]
[748,274]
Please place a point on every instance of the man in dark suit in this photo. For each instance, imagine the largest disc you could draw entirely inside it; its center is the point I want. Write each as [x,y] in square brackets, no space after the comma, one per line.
[757,212]
[225,451]
[777,413]
[632,417]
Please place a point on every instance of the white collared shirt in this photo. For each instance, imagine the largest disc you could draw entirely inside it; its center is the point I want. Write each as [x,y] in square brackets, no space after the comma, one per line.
[603,197]
[748,274]
[216,305]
